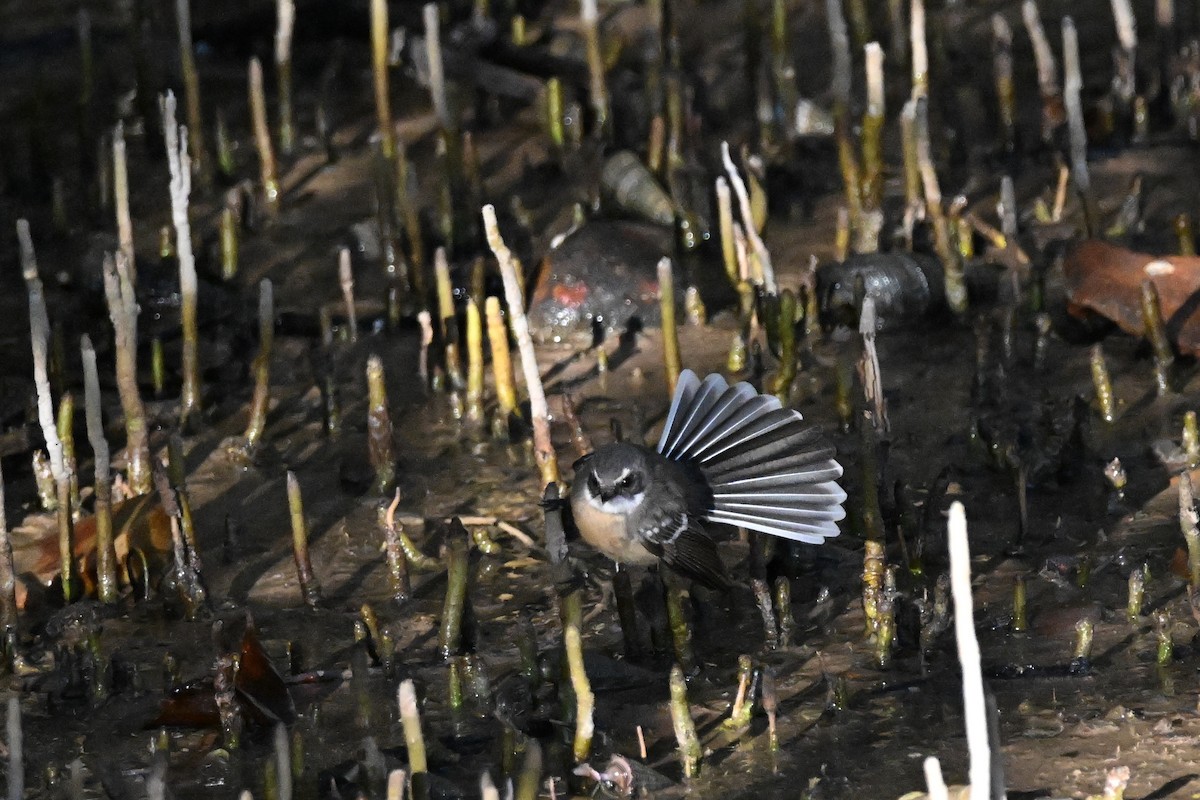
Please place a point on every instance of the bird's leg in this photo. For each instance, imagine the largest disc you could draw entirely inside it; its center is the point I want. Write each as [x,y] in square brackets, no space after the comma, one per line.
[631,632]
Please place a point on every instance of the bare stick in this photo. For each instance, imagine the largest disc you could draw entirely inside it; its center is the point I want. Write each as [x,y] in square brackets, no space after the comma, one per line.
[1124,82]
[181,188]
[542,444]
[16,751]
[956,288]
[346,279]
[975,709]
[39,335]
[437,74]
[285,23]
[121,195]
[1072,86]
[920,54]
[869,367]
[725,217]
[1047,70]
[8,578]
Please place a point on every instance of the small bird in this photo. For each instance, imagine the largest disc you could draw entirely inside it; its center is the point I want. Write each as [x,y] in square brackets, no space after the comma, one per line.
[728,455]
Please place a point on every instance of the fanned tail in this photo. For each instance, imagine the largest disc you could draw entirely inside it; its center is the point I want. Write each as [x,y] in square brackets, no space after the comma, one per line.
[768,471]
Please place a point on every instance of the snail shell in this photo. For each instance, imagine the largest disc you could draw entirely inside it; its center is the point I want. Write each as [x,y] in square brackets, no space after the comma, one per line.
[633,188]
[904,286]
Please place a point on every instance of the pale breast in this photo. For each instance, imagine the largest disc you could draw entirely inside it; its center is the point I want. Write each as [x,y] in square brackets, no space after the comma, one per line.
[607,533]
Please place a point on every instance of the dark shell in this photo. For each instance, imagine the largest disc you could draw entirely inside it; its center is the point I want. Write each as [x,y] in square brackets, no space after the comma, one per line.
[905,287]
[603,275]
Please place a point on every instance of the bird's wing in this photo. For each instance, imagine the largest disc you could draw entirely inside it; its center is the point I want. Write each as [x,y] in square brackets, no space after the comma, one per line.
[676,537]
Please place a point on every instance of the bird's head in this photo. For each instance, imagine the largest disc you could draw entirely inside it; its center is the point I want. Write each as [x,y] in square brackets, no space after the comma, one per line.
[615,476]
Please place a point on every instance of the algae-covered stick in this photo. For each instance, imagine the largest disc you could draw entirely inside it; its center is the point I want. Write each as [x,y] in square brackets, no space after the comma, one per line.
[666,300]
[310,590]
[529,780]
[1103,384]
[229,244]
[685,728]
[1156,332]
[8,581]
[379,427]
[1002,70]
[106,558]
[268,172]
[379,69]
[458,574]
[1189,523]
[191,88]
[122,311]
[585,701]
[502,373]
[589,17]
[261,401]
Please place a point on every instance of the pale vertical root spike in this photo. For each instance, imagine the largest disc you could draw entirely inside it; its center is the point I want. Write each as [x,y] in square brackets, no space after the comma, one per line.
[346,279]
[121,195]
[410,717]
[756,242]
[975,709]
[1072,88]
[179,164]
[437,74]
[539,410]
[920,52]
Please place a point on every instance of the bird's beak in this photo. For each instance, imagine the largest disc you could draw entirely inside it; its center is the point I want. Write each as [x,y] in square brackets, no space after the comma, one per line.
[607,494]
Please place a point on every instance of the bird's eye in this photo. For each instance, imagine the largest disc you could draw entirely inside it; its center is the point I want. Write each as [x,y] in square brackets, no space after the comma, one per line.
[627,481]
[593,484]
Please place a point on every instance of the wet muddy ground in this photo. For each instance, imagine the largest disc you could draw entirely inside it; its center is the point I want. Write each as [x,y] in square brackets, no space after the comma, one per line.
[961,424]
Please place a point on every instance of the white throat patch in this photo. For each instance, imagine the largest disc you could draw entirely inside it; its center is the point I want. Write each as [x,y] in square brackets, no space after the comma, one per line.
[619,505]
